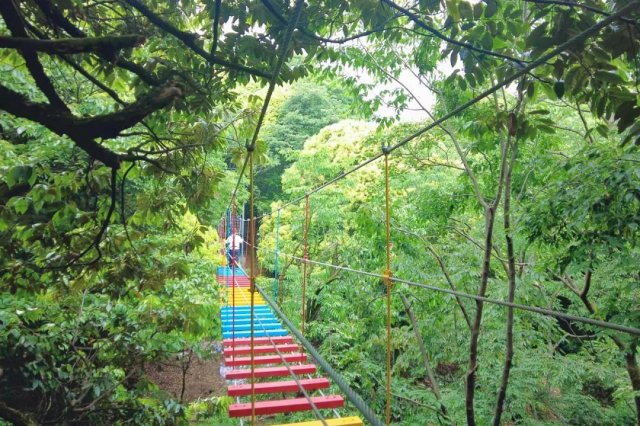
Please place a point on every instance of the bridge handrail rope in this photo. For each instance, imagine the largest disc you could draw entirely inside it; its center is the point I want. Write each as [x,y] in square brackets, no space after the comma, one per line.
[535,309]
[290,370]
[506,81]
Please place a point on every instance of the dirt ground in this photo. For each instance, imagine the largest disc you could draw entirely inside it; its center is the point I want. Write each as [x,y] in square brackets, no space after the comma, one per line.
[202,379]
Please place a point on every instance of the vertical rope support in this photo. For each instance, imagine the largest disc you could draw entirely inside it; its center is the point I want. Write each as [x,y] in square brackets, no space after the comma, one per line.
[252,280]
[305,257]
[233,277]
[275,273]
[222,234]
[387,281]
[242,233]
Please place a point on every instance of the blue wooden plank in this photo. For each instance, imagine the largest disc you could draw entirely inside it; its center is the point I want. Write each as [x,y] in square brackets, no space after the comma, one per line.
[258,319]
[256,326]
[247,319]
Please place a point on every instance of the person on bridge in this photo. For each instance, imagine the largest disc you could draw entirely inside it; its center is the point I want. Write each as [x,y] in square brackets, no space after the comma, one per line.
[234,244]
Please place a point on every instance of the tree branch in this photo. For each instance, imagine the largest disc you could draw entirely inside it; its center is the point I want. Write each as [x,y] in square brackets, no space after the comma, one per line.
[84,131]
[15,23]
[435,388]
[216,25]
[189,40]
[581,6]
[275,12]
[108,46]
[105,224]
[57,18]
[450,40]
[110,125]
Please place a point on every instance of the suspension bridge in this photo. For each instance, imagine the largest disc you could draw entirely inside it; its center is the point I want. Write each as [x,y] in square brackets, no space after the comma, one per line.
[268,354]
[262,346]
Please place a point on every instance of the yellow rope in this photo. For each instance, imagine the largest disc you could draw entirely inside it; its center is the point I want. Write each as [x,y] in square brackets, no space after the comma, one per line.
[388,283]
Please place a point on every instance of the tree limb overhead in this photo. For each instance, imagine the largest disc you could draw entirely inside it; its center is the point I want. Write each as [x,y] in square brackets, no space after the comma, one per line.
[108,46]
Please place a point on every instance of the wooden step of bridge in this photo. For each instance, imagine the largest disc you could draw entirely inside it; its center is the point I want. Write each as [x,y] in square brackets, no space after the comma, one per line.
[265,359]
[260,349]
[280,371]
[342,421]
[286,405]
[278,340]
[287,386]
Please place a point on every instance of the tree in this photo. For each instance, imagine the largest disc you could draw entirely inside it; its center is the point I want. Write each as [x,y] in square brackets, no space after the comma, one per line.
[308,108]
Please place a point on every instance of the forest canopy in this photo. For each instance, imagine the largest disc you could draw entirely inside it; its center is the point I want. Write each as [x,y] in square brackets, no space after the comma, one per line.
[124,128]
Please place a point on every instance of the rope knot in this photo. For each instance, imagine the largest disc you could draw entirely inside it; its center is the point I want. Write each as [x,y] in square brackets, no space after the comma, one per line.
[388,282]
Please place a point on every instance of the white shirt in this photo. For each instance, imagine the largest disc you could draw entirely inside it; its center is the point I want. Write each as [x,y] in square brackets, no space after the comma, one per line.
[234,241]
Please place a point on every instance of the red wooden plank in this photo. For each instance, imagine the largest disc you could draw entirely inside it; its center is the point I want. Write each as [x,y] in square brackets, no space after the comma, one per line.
[264,359]
[280,371]
[243,341]
[275,387]
[263,349]
[285,405]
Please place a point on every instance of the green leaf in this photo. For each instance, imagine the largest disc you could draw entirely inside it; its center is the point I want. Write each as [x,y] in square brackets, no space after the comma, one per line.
[491,9]
[558,88]
[633,131]
[603,130]
[20,205]
[465,10]
[536,36]
[609,77]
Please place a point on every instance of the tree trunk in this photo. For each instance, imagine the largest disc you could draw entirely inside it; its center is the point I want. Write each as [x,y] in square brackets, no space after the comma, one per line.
[475,329]
[425,357]
[629,353]
[511,273]
[634,375]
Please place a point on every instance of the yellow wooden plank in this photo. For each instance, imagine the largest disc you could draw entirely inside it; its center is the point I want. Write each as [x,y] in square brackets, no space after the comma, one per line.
[342,421]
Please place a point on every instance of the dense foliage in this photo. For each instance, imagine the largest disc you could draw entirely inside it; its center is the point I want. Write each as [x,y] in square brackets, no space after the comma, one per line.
[122,127]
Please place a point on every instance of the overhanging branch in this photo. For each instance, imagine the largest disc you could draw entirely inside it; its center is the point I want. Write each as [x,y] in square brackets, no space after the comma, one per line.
[189,40]
[58,19]
[109,45]
[15,24]
[268,4]
[85,131]
[416,19]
